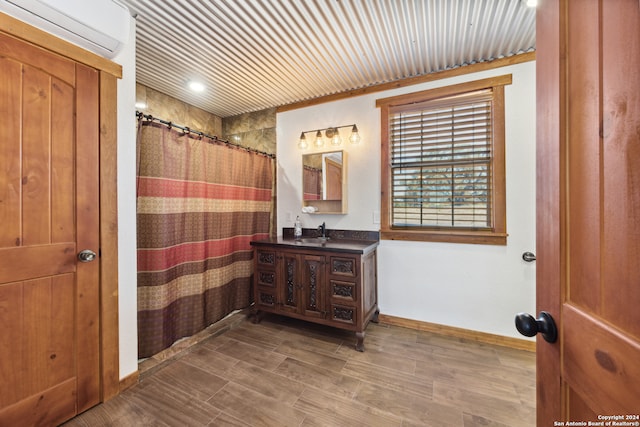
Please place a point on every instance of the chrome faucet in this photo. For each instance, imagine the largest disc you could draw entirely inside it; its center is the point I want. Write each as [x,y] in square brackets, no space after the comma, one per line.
[322,229]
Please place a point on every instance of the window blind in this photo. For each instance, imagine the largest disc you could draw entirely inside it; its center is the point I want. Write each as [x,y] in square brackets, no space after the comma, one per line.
[441,162]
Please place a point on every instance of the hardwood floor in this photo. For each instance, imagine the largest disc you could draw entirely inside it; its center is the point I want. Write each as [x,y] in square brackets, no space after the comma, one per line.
[284,372]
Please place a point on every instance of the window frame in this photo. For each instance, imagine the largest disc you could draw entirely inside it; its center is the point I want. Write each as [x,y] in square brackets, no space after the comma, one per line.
[497,234]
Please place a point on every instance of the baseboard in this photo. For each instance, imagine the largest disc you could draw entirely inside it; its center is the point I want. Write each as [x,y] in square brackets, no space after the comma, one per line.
[459,332]
[129,381]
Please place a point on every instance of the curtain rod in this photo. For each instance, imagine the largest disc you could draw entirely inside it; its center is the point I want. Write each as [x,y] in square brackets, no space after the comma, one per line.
[213,138]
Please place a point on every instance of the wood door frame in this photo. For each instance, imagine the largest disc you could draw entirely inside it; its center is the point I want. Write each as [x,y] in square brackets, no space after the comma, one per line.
[109,73]
[550,214]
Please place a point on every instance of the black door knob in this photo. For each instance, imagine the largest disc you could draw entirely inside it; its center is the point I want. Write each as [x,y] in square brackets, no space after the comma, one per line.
[528,326]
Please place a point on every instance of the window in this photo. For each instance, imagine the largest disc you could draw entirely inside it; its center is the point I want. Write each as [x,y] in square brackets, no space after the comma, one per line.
[443,171]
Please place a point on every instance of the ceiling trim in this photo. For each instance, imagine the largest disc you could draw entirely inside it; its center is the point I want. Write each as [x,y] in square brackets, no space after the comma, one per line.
[465,69]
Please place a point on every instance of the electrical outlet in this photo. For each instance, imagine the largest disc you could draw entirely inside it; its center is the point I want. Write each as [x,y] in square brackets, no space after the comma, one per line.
[376,217]
[289,216]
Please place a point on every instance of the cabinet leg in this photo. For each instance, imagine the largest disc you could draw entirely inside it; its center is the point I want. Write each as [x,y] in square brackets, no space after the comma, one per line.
[257,316]
[374,318]
[360,341]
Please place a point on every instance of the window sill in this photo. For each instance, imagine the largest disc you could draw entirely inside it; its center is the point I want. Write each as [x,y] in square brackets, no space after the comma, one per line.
[448,236]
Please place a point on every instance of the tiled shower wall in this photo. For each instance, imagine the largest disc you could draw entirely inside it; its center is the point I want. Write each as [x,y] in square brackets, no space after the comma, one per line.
[170,109]
[255,130]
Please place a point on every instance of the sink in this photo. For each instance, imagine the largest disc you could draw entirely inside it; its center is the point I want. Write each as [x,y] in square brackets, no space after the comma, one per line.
[313,240]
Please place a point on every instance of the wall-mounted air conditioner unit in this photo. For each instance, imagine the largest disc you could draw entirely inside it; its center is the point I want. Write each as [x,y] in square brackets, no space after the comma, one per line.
[99,26]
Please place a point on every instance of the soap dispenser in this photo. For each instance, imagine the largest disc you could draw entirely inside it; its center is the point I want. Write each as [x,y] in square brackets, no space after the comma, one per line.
[297,229]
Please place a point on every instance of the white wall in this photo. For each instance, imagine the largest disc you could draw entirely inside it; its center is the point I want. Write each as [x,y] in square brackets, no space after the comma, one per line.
[476,287]
[127,267]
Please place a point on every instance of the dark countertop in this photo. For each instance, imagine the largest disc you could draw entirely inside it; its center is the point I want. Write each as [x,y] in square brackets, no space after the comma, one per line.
[332,245]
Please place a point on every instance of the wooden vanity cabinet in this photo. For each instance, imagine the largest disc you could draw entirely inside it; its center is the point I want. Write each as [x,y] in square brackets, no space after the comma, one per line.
[332,288]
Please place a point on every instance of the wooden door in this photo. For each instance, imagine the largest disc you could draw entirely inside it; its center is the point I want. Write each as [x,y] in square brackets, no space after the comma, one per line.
[49,211]
[588,196]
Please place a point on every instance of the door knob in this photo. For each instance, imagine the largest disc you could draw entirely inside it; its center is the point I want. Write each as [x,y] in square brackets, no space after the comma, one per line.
[529,256]
[528,326]
[86,256]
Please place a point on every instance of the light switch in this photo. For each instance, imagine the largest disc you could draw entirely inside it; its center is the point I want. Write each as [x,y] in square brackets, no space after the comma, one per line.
[376,217]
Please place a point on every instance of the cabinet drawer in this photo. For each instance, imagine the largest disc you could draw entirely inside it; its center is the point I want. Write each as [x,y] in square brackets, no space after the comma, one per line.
[266,278]
[344,314]
[343,266]
[344,291]
[265,298]
[266,258]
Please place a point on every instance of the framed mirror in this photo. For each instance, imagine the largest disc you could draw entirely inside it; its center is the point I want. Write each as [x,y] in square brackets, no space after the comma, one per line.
[324,182]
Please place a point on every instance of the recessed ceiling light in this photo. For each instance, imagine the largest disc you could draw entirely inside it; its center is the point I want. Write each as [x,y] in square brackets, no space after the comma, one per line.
[532,3]
[141,105]
[196,86]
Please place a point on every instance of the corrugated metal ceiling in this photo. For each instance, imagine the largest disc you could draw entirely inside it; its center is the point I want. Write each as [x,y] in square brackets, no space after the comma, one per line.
[257,54]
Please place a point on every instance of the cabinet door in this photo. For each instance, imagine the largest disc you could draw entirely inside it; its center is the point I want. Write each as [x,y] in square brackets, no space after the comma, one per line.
[289,284]
[312,279]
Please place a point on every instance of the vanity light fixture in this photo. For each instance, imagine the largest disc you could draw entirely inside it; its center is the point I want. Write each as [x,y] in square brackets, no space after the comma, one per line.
[331,133]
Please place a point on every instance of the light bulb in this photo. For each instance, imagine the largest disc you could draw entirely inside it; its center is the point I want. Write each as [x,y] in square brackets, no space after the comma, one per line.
[355,136]
[302,144]
[319,140]
[335,138]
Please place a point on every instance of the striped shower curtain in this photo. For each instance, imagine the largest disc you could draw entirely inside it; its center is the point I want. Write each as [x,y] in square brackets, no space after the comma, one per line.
[199,204]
